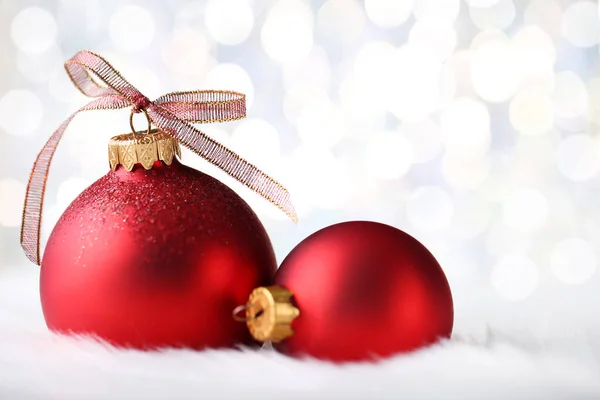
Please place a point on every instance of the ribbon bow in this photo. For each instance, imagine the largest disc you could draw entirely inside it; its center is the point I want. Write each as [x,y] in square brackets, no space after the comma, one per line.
[171,113]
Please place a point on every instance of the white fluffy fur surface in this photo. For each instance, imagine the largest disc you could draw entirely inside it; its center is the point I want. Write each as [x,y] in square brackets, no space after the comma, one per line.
[36,364]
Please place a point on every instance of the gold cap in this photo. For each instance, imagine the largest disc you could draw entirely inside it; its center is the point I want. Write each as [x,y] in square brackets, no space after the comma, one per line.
[269,314]
[142,148]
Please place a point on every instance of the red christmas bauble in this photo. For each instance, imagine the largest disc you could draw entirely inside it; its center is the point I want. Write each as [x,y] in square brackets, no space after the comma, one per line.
[153,258]
[364,290]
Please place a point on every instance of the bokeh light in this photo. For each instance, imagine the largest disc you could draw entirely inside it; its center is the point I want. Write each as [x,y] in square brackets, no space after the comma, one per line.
[472,217]
[33,30]
[388,13]
[536,55]
[38,68]
[412,82]
[435,34]
[321,123]
[258,141]
[570,101]
[388,156]
[372,64]
[429,209]
[11,193]
[465,126]
[546,14]
[229,22]
[178,58]
[481,3]
[485,36]
[581,24]
[132,28]
[500,240]
[341,20]
[526,210]
[301,95]
[593,89]
[494,71]
[465,174]
[446,10]
[364,90]
[21,112]
[317,179]
[312,70]
[287,34]
[360,104]
[424,137]
[578,157]
[499,15]
[573,260]
[459,66]
[531,113]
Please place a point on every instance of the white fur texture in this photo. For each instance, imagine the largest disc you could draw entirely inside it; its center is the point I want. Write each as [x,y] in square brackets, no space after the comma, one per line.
[35,364]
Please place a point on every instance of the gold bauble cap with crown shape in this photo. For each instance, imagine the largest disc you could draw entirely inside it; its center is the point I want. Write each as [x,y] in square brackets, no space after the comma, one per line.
[143,148]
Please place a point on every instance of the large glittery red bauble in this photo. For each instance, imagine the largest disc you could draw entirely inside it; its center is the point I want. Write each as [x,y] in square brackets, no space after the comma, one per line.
[364,290]
[155,258]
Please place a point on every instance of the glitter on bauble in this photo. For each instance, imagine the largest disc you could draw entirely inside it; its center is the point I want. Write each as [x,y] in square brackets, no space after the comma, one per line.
[154,254]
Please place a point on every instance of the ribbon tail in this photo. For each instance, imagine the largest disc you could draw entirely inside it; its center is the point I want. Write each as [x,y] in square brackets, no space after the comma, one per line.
[36,187]
[222,157]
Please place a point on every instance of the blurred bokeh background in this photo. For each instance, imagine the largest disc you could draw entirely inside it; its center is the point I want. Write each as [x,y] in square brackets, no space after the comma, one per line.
[471,124]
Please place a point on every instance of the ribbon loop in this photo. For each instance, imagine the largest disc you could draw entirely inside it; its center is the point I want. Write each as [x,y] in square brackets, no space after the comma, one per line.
[204,106]
[172,113]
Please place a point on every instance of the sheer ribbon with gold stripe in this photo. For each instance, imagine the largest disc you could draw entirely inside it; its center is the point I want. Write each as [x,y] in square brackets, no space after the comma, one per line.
[172,113]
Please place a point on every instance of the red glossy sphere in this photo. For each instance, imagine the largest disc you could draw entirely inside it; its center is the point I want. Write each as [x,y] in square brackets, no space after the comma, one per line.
[155,258]
[364,290]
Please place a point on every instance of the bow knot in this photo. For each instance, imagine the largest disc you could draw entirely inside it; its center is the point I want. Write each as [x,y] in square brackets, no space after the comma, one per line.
[140,102]
[172,113]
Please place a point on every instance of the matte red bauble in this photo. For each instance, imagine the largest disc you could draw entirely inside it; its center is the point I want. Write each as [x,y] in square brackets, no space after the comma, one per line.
[361,290]
[154,257]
